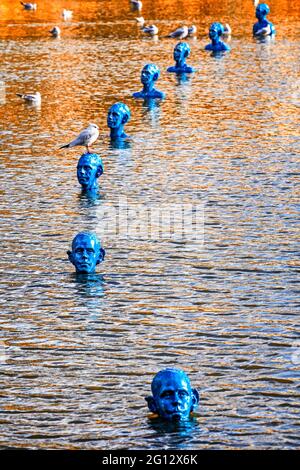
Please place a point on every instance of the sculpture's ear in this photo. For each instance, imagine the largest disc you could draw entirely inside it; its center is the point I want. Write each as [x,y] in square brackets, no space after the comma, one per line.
[151,404]
[99,171]
[125,118]
[101,255]
[195,398]
[71,257]
[155,76]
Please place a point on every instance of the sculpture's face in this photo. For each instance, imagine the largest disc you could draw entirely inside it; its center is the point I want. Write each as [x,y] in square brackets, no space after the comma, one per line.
[178,54]
[213,32]
[261,11]
[85,255]
[174,399]
[146,77]
[86,173]
[114,118]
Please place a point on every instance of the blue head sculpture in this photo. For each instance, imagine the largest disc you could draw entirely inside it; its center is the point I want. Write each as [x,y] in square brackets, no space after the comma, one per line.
[181,52]
[172,398]
[216,30]
[149,75]
[118,115]
[89,168]
[86,252]
[263,27]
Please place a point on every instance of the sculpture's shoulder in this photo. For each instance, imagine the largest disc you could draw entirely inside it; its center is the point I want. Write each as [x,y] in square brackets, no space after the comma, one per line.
[172,69]
[157,94]
[138,94]
[209,47]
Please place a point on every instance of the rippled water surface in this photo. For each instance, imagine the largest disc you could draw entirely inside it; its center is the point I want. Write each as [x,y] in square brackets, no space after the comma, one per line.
[77,355]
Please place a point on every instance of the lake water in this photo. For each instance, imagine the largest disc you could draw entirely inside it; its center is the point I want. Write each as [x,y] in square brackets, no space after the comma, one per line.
[77,356]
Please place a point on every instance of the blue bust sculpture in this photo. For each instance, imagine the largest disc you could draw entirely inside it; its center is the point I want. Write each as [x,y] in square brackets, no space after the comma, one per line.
[216,30]
[118,115]
[181,51]
[172,397]
[263,27]
[86,252]
[149,75]
[89,168]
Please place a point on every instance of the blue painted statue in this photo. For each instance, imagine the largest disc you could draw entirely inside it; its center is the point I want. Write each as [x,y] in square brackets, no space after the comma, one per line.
[149,75]
[118,115]
[172,397]
[216,30]
[89,168]
[181,52]
[86,252]
[263,27]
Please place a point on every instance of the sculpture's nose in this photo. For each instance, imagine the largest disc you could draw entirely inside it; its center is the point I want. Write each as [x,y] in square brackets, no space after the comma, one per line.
[176,399]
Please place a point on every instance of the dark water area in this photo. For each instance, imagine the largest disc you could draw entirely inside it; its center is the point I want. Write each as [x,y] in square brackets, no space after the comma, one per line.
[77,355]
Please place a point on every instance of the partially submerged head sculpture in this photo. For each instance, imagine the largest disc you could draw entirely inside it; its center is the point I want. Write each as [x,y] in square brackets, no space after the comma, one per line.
[216,30]
[172,397]
[89,168]
[86,252]
[149,74]
[181,51]
[262,10]
[118,115]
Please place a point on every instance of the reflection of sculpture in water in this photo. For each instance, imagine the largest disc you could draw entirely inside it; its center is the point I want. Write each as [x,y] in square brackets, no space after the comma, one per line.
[181,51]
[86,252]
[118,115]
[263,27]
[89,168]
[149,75]
[172,397]
[216,30]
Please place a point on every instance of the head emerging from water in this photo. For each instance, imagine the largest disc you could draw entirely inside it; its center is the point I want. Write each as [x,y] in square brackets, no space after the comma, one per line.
[262,10]
[172,397]
[181,52]
[149,74]
[118,115]
[89,168]
[86,252]
[215,31]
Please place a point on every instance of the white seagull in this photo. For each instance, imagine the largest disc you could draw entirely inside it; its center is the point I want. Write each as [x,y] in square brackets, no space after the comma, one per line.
[29,6]
[151,30]
[86,138]
[55,32]
[192,30]
[266,31]
[227,30]
[31,98]
[179,33]
[136,4]
[66,14]
[140,21]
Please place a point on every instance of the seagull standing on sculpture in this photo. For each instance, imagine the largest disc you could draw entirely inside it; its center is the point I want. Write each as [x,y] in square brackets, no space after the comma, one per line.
[86,138]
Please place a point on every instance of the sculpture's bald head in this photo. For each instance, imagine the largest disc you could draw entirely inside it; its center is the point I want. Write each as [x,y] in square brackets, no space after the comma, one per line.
[89,168]
[262,10]
[86,252]
[172,396]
